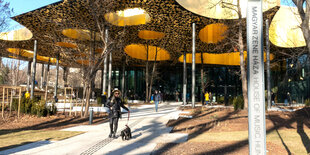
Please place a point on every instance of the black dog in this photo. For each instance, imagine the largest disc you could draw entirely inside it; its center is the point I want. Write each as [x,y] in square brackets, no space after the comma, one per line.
[126,133]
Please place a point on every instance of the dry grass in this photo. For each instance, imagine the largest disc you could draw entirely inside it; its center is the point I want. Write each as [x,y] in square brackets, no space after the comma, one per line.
[291,139]
[24,137]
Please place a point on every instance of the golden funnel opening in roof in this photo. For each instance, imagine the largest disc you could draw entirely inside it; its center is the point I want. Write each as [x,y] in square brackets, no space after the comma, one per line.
[139,51]
[213,33]
[227,59]
[80,34]
[132,16]
[221,9]
[150,35]
[16,35]
[29,54]
[68,45]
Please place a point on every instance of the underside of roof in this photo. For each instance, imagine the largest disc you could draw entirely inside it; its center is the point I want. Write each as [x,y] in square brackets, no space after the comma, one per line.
[47,25]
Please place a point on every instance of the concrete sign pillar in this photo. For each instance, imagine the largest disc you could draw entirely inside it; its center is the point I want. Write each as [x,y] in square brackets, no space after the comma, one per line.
[256,93]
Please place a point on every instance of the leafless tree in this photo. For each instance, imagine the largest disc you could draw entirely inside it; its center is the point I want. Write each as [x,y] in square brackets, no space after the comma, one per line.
[237,42]
[5,13]
[304,13]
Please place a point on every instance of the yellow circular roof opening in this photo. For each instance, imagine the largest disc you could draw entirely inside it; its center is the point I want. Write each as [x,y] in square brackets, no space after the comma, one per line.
[68,45]
[127,17]
[227,59]
[16,35]
[213,33]
[29,54]
[80,34]
[216,9]
[285,28]
[20,52]
[150,35]
[139,51]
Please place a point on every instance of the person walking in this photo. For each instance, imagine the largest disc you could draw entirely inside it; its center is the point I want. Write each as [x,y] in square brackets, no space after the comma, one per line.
[114,104]
[207,97]
[210,98]
[157,98]
[273,96]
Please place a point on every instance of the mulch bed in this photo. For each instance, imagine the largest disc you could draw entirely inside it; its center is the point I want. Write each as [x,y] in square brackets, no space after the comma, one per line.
[55,122]
[226,120]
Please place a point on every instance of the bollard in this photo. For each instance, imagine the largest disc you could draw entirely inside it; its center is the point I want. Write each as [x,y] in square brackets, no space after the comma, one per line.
[91,116]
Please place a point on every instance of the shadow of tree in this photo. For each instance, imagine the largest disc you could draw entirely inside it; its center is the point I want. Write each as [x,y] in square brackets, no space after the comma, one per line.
[279,123]
[56,123]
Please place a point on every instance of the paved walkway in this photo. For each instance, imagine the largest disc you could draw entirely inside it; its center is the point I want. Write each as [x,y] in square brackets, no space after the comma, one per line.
[148,128]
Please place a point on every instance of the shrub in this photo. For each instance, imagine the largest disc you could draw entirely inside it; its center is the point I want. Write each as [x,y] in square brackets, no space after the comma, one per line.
[34,107]
[220,99]
[99,100]
[238,102]
[307,102]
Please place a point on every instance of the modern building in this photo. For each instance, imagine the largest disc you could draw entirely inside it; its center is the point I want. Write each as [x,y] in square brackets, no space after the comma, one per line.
[140,33]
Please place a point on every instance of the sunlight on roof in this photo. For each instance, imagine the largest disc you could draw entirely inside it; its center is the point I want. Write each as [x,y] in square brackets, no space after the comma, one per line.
[222,9]
[131,12]
[285,29]
[16,35]
[133,16]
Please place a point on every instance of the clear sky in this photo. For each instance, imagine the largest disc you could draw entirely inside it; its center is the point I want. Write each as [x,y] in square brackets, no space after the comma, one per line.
[20,7]
[23,6]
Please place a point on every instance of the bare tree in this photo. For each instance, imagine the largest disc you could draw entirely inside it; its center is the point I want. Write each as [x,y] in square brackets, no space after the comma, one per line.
[5,13]
[239,44]
[304,13]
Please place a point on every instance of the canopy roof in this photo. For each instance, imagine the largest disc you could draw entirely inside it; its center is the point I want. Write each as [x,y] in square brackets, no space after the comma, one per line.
[165,24]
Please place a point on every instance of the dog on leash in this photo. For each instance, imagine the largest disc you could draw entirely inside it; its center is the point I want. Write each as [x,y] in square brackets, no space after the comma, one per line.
[126,133]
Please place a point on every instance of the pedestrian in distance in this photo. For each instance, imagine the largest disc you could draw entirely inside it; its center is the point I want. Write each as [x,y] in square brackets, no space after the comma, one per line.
[207,97]
[210,97]
[114,104]
[157,98]
[273,96]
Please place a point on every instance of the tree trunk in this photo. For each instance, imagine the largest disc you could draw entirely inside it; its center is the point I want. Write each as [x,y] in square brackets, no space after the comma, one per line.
[47,72]
[84,92]
[202,81]
[152,75]
[147,75]
[88,94]
[242,64]
[305,17]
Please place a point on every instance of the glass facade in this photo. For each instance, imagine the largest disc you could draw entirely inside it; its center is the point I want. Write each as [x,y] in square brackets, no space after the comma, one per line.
[290,80]
[289,76]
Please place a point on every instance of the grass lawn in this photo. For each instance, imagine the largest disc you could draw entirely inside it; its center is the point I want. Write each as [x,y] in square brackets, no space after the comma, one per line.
[8,140]
[294,142]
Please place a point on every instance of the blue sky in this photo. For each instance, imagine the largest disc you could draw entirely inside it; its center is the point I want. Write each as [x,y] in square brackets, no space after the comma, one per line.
[20,7]
[23,6]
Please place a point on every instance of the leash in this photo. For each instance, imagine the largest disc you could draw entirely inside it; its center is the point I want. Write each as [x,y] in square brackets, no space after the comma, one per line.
[128,118]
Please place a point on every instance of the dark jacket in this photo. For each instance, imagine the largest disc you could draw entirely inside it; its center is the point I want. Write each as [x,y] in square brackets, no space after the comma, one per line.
[157,97]
[115,107]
